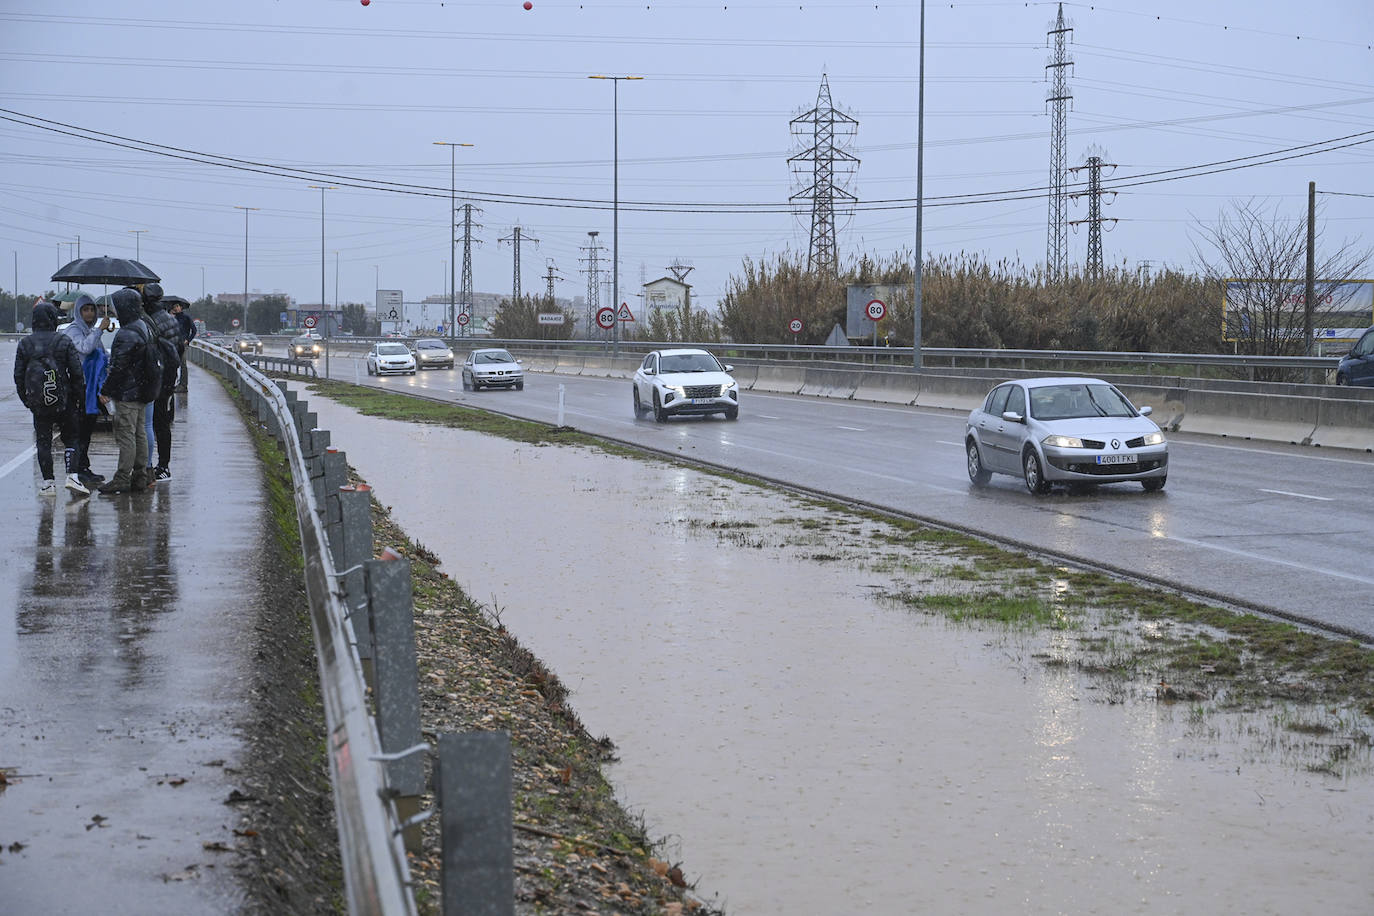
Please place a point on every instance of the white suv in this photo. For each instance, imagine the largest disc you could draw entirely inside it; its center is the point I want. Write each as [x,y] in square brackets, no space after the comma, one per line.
[682,382]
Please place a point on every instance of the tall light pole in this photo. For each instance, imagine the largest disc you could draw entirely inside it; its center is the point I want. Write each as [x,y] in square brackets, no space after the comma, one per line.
[920,162]
[615,205]
[245,262]
[452,206]
[138,237]
[202,283]
[324,304]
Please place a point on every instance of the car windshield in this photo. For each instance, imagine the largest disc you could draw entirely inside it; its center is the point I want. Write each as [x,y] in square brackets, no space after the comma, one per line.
[1064,402]
[492,356]
[392,350]
[688,362]
[430,345]
[248,337]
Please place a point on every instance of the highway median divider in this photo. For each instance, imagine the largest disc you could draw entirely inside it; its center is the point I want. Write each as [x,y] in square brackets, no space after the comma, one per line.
[1344,423]
[1167,404]
[779,379]
[569,364]
[1273,417]
[830,383]
[888,387]
[954,392]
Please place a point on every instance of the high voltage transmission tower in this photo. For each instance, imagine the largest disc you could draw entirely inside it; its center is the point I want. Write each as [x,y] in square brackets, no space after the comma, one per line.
[824,133]
[680,270]
[465,296]
[551,275]
[515,239]
[593,284]
[1094,165]
[1056,253]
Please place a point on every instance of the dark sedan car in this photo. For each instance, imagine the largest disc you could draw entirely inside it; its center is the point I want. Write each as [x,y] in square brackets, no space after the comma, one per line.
[1357,368]
[247,343]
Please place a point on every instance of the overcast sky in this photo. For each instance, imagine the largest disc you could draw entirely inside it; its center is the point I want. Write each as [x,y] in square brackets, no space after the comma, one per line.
[362,93]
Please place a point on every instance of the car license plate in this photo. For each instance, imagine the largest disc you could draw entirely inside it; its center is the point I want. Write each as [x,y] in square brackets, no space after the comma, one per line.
[701,400]
[1116,459]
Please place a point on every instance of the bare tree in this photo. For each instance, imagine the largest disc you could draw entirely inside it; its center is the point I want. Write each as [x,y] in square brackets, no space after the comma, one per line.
[1259,256]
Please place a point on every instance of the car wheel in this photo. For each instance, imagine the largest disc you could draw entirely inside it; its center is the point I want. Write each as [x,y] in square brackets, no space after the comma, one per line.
[660,415]
[732,413]
[976,472]
[476,386]
[520,385]
[1034,473]
[639,408]
[1341,379]
[1154,484]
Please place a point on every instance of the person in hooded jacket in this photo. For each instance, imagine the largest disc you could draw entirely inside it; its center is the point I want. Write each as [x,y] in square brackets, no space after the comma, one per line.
[131,392]
[163,408]
[60,387]
[188,333]
[86,333]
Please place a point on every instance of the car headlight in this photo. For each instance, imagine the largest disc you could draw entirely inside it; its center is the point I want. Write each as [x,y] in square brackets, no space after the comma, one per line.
[316,348]
[1062,442]
[1153,439]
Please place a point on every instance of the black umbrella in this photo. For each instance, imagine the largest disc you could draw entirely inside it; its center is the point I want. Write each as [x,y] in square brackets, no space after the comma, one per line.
[124,271]
[170,301]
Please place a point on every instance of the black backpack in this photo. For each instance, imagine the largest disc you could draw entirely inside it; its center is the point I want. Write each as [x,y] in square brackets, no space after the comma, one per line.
[151,368]
[45,391]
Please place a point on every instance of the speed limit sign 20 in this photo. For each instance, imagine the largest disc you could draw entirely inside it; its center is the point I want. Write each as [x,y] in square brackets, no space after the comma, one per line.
[795,325]
[876,310]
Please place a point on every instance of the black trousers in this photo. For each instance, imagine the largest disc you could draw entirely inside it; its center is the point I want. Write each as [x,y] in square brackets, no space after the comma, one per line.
[164,412]
[85,425]
[42,436]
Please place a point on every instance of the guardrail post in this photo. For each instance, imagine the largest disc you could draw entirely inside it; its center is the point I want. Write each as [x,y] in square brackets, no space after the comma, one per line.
[355,504]
[473,780]
[391,610]
[335,476]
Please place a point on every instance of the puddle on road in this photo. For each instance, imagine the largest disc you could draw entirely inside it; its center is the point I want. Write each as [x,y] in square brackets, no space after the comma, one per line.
[807,748]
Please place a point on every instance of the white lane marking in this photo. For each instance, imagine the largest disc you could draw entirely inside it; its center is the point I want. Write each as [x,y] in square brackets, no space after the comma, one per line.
[1250,555]
[1264,451]
[18,460]
[853,429]
[947,442]
[764,416]
[1325,499]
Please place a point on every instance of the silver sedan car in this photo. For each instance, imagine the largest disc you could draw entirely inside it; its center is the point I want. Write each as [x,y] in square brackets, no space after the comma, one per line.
[1064,430]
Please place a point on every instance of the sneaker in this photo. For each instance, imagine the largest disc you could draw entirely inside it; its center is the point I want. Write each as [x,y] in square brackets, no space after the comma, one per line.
[76,486]
[87,475]
[160,474]
[47,488]
[115,485]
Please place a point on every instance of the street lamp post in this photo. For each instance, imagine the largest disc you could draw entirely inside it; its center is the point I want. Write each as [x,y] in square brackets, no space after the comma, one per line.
[245,262]
[324,304]
[615,205]
[452,206]
[138,237]
[920,162]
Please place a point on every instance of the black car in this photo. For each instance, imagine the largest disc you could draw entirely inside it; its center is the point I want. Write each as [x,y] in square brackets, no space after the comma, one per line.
[247,343]
[307,346]
[1357,368]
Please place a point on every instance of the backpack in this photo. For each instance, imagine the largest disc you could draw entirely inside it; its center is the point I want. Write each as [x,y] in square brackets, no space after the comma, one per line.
[44,392]
[151,368]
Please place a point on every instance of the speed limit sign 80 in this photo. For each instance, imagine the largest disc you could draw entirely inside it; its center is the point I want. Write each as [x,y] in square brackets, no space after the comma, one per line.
[876,310]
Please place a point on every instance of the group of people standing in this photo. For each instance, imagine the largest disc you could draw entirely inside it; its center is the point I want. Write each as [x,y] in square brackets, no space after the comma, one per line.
[67,380]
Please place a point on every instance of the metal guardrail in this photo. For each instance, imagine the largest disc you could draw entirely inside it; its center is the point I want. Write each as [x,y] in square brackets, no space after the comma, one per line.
[376,874]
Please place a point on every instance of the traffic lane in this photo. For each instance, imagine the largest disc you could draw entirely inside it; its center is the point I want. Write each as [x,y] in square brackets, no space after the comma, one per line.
[1214,529]
[123,671]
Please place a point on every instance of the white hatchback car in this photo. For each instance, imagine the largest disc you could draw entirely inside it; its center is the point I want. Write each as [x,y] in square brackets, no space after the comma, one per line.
[492,368]
[681,382]
[390,359]
[1064,430]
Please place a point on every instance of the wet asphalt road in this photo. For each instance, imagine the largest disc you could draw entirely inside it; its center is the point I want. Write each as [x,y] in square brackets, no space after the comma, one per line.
[1274,526]
[124,655]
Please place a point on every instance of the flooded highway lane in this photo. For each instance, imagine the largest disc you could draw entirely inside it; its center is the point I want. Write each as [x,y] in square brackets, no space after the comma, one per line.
[806,748]
[124,672]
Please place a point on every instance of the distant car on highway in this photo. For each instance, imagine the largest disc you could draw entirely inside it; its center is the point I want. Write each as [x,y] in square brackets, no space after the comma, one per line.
[1064,430]
[1357,367]
[492,368]
[390,359]
[683,382]
[247,343]
[432,353]
[306,346]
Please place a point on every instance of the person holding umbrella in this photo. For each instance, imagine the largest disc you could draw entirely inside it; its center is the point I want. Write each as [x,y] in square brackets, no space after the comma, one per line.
[85,332]
[47,375]
[178,306]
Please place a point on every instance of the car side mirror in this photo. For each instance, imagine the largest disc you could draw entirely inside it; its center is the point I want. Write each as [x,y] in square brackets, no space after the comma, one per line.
[1146,411]
[650,372]
[729,368]
[1012,416]
[519,362]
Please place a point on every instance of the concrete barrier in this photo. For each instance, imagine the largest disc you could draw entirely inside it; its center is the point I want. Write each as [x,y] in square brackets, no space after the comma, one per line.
[1344,424]
[1273,417]
[597,365]
[544,362]
[569,364]
[1167,404]
[830,383]
[888,387]
[954,392]
[744,375]
[779,379]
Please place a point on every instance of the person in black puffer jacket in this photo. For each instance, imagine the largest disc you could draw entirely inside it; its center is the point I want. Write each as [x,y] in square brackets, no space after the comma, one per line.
[131,393]
[48,376]
[163,408]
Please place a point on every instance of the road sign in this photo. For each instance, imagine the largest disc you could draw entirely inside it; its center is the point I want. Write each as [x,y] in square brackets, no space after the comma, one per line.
[308,321]
[795,325]
[462,319]
[234,323]
[439,330]
[876,310]
[605,318]
[550,317]
[624,313]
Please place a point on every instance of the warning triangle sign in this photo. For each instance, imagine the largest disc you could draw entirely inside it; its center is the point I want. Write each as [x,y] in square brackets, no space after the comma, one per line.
[624,313]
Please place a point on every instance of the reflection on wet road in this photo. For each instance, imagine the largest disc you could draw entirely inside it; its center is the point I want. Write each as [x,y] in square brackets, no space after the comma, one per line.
[123,662]
[808,750]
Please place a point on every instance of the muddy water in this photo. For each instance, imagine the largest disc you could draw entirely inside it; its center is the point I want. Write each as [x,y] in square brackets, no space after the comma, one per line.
[808,749]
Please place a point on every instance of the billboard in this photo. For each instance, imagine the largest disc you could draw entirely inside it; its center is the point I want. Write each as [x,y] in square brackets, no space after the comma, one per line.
[1275,308]
[856,320]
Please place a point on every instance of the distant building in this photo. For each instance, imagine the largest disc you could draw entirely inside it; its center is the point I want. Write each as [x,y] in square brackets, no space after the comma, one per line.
[665,293]
[237,298]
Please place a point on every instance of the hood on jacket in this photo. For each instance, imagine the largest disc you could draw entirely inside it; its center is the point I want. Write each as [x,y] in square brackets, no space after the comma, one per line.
[128,306]
[46,317]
